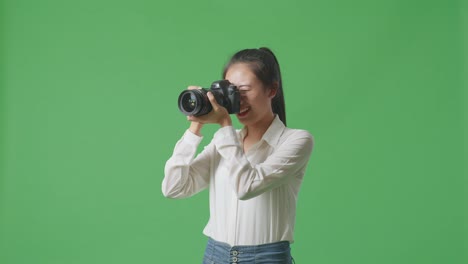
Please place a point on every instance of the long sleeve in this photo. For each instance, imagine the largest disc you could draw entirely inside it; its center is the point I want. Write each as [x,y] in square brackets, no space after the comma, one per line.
[184,175]
[287,161]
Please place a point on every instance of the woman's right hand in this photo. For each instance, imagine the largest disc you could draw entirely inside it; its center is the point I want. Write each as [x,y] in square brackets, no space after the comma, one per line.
[218,115]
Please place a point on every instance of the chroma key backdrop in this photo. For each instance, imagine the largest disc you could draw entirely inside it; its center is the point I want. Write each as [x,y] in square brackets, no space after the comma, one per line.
[88,117]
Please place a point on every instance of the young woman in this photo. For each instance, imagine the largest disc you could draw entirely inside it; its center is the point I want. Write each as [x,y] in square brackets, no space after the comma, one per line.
[253,174]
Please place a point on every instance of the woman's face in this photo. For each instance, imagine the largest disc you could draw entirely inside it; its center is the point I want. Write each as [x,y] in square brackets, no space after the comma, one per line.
[255,97]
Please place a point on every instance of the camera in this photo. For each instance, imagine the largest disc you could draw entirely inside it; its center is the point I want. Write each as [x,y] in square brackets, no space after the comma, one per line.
[196,103]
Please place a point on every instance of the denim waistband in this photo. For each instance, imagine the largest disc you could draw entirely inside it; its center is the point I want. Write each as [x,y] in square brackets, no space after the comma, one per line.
[220,252]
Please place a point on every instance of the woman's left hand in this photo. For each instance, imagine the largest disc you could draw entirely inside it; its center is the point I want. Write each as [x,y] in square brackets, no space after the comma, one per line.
[219,115]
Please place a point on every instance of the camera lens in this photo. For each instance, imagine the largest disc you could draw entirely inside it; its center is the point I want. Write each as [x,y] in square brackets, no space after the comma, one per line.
[189,102]
[194,102]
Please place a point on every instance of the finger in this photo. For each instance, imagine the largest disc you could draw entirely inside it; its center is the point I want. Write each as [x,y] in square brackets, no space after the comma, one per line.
[193,87]
[192,118]
[195,119]
[213,101]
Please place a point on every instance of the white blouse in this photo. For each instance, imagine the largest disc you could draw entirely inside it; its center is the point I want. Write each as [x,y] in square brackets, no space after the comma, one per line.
[252,195]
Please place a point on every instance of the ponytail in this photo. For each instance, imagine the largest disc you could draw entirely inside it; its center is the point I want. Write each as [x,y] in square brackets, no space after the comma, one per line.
[277,103]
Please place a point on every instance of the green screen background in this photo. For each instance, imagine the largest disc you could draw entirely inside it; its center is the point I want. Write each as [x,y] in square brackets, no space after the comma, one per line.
[89,117]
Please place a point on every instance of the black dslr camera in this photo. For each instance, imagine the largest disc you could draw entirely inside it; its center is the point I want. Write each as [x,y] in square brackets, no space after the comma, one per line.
[195,102]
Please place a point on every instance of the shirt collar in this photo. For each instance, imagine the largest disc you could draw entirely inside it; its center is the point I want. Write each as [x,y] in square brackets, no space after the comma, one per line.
[273,133]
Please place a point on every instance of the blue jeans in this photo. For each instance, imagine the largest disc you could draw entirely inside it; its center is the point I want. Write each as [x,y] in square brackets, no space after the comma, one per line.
[222,253]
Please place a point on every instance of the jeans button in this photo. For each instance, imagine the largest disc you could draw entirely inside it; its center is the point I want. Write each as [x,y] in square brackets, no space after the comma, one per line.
[235,253]
[234,259]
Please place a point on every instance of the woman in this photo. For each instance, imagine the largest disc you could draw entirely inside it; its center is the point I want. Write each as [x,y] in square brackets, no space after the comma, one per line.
[253,174]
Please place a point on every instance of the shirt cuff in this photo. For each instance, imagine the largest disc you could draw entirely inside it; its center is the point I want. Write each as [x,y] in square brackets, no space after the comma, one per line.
[226,136]
[192,138]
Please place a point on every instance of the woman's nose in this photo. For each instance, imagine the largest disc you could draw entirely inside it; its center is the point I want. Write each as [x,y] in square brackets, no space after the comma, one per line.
[242,100]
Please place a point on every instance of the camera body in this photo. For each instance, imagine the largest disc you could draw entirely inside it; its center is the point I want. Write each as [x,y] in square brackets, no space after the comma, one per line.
[196,103]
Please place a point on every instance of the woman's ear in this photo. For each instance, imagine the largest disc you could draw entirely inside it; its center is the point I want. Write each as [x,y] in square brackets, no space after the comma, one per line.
[273,90]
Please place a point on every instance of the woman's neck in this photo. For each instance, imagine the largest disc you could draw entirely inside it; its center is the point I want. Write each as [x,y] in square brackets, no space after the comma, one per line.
[255,131]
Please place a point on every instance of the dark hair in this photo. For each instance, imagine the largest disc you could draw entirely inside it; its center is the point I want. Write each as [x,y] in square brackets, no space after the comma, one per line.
[266,68]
